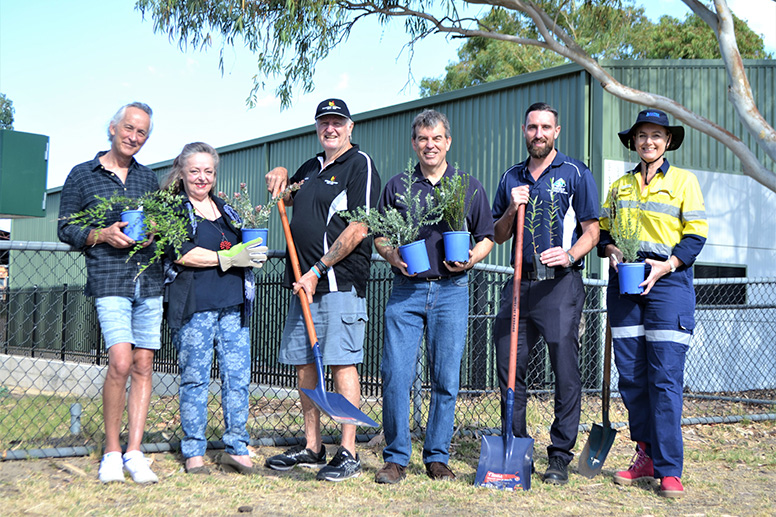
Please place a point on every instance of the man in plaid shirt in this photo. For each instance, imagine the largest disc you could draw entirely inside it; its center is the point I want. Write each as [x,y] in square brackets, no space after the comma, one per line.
[129,309]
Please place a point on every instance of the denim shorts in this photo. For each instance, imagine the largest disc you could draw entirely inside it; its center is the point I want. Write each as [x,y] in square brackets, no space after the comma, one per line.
[340,324]
[130,320]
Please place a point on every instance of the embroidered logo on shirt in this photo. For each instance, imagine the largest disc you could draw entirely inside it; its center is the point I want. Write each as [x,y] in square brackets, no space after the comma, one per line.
[331,181]
[559,186]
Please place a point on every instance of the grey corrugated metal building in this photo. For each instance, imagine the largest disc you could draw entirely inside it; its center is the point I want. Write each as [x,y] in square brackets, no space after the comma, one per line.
[487,139]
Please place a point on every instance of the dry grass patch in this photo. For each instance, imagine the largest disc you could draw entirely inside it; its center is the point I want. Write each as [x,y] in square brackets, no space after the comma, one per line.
[729,470]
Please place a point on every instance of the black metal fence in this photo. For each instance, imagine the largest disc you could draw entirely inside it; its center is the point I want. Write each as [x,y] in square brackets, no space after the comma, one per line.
[52,360]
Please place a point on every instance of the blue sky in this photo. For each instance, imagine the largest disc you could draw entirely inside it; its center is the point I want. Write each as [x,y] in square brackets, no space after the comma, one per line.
[68,65]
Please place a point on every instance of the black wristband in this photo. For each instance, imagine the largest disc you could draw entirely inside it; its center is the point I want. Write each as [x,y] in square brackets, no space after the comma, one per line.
[323,268]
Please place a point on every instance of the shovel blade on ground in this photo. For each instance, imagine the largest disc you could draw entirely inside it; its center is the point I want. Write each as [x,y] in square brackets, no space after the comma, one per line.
[598,445]
[338,408]
[505,464]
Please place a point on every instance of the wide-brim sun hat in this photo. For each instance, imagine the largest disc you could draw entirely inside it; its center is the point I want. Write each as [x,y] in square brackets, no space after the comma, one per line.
[653,116]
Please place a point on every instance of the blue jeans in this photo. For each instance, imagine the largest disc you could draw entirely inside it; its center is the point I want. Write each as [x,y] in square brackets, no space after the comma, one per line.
[194,343]
[439,310]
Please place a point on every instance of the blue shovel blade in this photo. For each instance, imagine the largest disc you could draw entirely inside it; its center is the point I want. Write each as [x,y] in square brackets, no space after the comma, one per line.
[505,463]
[338,407]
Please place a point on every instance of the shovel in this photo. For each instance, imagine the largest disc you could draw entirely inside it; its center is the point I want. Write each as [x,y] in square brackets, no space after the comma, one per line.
[601,438]
[505,461]
[333,404]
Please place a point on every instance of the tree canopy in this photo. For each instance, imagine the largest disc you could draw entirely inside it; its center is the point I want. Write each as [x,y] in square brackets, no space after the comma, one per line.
[603,32]
[289,37]
[6,112]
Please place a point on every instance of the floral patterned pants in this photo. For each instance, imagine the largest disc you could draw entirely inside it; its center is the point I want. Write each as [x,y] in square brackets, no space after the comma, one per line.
[194,342]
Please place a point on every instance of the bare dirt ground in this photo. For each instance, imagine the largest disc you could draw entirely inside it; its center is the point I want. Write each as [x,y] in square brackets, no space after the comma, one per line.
[730,469]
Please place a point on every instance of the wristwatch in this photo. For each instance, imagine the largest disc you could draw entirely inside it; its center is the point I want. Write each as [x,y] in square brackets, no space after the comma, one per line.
[571,259]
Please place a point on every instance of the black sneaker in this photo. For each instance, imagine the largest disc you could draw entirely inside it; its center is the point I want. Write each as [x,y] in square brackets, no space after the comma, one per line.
[297,455]
[342,466]
[557,473]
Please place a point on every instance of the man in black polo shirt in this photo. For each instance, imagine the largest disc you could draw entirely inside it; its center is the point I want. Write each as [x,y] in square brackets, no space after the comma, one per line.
[335,256]
[129,310]
[434,302]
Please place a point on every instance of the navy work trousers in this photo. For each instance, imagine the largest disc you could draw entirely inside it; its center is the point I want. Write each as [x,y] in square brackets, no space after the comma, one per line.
[650,336]
[553,309]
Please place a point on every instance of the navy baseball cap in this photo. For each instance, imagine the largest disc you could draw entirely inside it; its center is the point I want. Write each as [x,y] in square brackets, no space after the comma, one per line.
[332,107]
[653,116]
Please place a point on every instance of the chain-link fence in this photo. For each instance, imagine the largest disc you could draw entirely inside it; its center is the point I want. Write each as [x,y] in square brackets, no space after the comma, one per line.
[52,360]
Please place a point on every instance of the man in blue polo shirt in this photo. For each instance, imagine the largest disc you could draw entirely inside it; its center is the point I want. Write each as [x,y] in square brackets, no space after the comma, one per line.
[565,229]
[434,302]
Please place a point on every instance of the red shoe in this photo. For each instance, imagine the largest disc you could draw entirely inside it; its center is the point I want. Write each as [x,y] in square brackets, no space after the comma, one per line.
[671,486]
[640,469]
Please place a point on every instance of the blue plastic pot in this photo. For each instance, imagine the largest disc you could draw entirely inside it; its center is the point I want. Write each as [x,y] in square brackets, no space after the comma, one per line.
[249,234]
[135,230]
[415,256]
[457,246]
[631,274]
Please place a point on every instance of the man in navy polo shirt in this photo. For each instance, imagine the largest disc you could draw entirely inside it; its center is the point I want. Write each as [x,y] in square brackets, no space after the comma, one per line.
[434,303]
[334,255]
[551,308]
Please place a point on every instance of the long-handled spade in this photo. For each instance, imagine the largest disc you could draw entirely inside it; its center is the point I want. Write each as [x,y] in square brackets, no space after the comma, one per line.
[333,404]
[505,462]
[601,438]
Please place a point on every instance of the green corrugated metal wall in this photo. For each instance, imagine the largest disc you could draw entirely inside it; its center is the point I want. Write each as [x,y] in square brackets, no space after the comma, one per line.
[486,129]
[701,86]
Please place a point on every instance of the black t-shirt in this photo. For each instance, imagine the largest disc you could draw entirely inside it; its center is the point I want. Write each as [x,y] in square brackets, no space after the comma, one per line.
[213,288]
[347,183]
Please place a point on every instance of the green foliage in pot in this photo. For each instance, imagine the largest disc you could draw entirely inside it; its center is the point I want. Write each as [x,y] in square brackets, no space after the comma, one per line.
[162,213]
[535,213]
[254,216]
[451,194]
[625,228]
[398,228]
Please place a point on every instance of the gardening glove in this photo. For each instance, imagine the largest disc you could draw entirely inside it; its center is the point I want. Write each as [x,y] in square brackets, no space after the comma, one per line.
[246,254]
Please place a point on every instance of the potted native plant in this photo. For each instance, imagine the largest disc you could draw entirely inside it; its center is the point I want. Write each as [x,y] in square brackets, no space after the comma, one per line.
[451,195]
[533,222]
[625,229]
[401,230]
[253,219]
[155,212]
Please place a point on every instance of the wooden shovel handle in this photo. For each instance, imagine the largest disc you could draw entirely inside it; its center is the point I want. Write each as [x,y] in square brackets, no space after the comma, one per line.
[308,317]
[605,389]
[520,222]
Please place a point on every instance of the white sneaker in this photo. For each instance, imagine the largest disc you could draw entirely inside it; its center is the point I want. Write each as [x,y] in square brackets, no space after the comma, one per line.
[111,468]
[137,466]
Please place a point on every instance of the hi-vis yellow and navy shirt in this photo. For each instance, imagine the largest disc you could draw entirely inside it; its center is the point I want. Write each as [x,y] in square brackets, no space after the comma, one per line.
[673,215]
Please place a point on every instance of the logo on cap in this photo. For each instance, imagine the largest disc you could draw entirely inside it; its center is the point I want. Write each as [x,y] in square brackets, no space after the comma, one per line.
[652,114]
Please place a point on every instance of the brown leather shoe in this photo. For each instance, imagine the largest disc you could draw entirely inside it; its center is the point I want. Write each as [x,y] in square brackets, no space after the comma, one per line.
[391,473]
[438,470]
